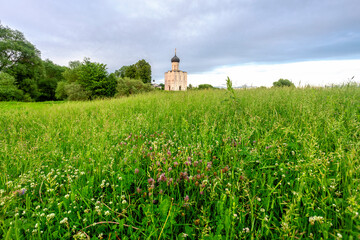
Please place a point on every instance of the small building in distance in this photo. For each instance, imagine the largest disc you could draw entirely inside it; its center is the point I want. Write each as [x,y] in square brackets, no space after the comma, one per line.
[175,79]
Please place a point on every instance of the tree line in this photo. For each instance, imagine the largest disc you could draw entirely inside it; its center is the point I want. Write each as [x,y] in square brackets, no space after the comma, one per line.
[24,76]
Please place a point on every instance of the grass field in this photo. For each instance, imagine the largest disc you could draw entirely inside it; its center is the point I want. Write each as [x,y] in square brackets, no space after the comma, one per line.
[267,164]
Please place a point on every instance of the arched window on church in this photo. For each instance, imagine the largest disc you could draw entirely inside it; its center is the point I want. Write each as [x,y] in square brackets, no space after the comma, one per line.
[179,88]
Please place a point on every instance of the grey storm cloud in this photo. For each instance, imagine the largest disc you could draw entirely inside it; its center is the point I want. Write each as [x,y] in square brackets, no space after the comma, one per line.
[207,34]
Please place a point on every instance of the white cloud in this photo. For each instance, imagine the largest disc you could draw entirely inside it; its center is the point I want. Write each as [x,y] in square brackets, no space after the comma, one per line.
[315,73]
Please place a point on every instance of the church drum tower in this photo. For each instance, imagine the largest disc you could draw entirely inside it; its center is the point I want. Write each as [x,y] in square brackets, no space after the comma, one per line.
[175,79]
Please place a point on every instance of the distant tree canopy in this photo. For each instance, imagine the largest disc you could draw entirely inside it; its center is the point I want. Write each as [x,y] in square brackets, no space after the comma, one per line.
[140,70]
[86,80]
[205,86]
[24,76]
[37,79]
[283,83]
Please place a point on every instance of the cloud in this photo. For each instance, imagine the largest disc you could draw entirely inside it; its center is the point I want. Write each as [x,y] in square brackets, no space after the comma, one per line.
[318,73]
[207,34]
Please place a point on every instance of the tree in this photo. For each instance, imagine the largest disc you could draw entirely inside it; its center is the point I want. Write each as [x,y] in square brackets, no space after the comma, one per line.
[19,58]
[71,73]
[8,89]
[143,71]
[94,78]
[283,83]
[140,70]
[205,86]
[47,86]
[14,48]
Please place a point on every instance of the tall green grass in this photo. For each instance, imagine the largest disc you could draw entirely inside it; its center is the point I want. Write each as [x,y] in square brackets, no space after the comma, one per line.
[267,163]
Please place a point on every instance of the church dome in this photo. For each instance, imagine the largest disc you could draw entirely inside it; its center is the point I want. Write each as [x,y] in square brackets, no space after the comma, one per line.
[175,59]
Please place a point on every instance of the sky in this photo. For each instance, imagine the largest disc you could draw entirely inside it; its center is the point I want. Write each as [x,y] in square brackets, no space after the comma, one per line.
[254,42]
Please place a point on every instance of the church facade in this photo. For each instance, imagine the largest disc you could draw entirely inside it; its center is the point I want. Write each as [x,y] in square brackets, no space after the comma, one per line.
[175,79]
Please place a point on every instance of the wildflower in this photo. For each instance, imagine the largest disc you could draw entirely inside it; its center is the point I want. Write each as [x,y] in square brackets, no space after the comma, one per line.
[259,199]
[67,196]
[162,178]
[107,213]
[102,185]
[20,192]
[138,190]
[80,235]
[176,164]
[151,181]
[50,216]
[339,235]
[186,198]
[136,171]
[314,219]
[64,221]
[246,230]
[124,201]
[169,169]
[184,235]
[170,180]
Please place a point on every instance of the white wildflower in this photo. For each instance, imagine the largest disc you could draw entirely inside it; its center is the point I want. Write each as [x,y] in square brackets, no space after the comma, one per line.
[64,221]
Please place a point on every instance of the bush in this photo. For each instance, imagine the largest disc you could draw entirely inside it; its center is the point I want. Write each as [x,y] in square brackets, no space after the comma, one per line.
[127,86]
[60,92]
[205,86]
[76,92]
[8,89]
[283,83]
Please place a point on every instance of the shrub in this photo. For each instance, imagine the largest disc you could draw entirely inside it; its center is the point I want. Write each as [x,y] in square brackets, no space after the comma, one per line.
[8,89]
[205,86]
[60,92]
[76,92]
[127,86]
[283,83]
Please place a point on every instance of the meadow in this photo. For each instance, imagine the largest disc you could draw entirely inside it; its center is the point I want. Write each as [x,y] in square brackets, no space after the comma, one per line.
[280,163]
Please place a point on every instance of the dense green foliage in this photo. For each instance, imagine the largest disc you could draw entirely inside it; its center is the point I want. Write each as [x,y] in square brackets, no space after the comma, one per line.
[205,86]
[8,89]
[283,83]
[38,80]
[279,163]
[140,70]
[127,86]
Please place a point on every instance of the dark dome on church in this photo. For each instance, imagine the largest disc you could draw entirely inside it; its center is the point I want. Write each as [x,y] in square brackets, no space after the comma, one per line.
[175,59]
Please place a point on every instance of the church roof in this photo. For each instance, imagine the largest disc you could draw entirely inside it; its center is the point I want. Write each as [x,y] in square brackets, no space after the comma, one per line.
[175,59]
